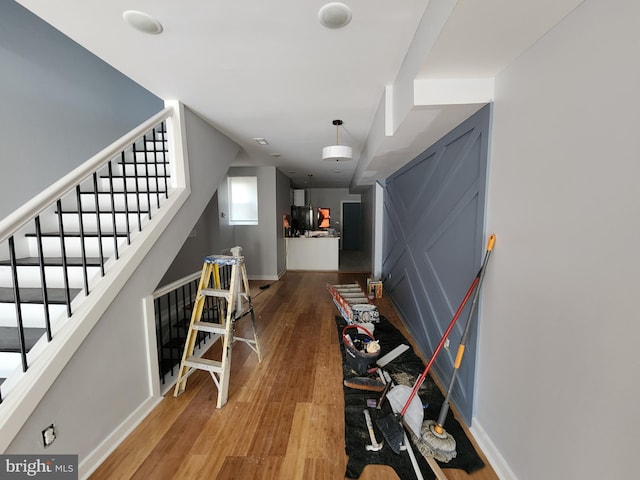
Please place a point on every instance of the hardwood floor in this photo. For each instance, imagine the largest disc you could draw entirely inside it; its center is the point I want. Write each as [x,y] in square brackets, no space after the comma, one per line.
[284,418]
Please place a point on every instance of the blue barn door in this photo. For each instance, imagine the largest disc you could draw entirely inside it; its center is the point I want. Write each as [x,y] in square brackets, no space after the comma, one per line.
[434,243]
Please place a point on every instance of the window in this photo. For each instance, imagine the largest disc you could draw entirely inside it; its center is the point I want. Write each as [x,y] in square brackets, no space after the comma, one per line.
[243,200]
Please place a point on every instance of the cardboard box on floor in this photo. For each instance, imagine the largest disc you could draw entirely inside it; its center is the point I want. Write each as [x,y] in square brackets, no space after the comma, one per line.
[374,287]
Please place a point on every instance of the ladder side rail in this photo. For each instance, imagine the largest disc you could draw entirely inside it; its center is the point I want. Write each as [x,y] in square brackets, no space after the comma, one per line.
[181,382]
[227,344]
[255,344]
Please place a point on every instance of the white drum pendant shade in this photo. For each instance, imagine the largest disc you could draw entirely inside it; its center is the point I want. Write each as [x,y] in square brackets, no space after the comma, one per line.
[337,153]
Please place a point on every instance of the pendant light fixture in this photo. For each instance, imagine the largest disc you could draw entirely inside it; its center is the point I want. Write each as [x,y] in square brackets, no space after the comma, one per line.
[337,152]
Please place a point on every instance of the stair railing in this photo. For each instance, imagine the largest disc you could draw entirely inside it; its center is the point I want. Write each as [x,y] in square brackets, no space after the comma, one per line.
[87,194]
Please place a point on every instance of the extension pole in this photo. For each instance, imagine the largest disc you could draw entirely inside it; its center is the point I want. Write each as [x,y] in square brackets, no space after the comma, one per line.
[456,366]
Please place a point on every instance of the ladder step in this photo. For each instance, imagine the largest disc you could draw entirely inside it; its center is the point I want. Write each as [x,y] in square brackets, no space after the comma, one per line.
[204,364]
[214,292]
[209,327]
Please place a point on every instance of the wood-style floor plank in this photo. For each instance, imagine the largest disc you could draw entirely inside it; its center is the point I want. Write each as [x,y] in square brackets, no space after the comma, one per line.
[285,417]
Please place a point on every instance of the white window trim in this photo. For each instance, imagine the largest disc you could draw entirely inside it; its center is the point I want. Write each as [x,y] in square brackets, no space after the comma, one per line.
[246,212]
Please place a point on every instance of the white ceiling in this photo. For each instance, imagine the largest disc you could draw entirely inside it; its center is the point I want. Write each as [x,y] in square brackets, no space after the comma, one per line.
[256,68]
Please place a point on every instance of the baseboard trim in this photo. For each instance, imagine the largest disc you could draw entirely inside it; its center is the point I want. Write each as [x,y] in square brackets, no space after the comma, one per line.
[263,277]
[89,464]
[497,461]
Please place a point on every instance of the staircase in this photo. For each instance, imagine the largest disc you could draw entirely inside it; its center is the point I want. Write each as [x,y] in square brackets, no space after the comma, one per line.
[54,256]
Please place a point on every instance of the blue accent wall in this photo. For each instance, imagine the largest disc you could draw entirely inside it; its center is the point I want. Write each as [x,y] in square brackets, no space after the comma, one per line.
[434,243]
[60,105]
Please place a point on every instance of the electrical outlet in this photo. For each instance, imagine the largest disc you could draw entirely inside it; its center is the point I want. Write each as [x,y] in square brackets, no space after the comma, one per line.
[48,435]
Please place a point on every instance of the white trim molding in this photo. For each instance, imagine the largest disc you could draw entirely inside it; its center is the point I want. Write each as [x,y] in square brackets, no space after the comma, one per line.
[497,461]
[92,461]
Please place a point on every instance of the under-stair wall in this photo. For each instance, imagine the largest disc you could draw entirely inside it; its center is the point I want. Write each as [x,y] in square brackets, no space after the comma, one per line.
[106,388]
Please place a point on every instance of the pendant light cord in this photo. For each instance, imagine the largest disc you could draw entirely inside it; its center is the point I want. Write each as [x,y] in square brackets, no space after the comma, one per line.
[337,123]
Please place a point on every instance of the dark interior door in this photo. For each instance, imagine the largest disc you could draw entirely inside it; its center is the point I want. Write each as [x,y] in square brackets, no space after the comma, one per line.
[351,226]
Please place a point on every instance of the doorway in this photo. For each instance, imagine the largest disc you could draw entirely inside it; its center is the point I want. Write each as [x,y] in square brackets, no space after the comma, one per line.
[352,258]
[351,226]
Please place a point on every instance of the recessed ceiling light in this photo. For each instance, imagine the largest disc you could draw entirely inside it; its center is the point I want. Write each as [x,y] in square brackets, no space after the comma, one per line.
[142,22]
[334,15]
[261,141]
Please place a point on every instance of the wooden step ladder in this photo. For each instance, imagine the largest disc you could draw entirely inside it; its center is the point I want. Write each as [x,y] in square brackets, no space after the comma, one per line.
[234,304]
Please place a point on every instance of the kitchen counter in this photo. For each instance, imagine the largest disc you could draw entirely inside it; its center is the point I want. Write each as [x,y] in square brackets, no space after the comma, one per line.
[313,253]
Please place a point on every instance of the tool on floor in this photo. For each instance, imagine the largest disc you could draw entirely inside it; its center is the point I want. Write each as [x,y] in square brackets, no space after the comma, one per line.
[350,295]
[356,352]
[435,441]
[234,304]
[364,383]
[384,394]
[375,446]
[392,425]
[406,445]
[392,355]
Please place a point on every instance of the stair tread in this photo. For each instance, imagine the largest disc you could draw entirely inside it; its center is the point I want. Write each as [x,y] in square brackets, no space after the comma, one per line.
[34,295]
[77,234]
[103,212]
[10,342]
[156,175]
[177,342]
[122,192]
[154,162]
[54,262]
[169,363]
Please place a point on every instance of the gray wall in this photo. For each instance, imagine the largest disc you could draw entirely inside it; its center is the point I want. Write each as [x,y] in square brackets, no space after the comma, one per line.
[332,198]
[259,242]
[202,241]
[283,207]
[557,390]
[60,105]
[106,380]
[367,201]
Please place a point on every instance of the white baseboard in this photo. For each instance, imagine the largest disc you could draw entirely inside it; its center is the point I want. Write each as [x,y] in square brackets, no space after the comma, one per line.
[262,277]
[497,461]
[89,464]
